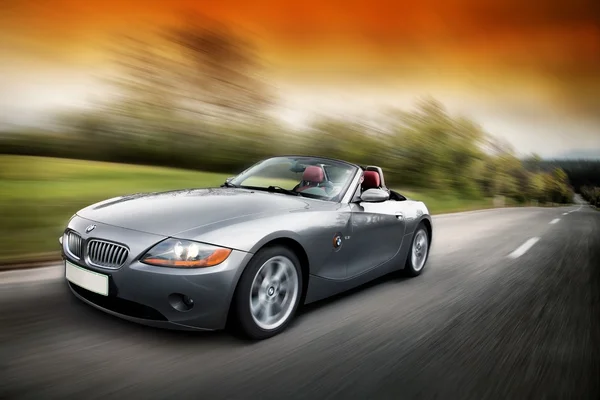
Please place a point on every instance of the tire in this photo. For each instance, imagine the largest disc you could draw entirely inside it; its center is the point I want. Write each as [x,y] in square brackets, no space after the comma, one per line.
[256,292]
[415,263]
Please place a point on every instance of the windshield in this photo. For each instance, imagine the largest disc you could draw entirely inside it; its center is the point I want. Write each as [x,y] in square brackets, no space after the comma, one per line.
[299,176]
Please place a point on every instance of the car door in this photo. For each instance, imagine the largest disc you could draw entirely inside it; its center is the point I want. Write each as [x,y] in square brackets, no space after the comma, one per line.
[377,230]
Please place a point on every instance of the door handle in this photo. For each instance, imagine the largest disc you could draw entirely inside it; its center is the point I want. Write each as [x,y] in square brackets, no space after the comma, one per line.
[399,216]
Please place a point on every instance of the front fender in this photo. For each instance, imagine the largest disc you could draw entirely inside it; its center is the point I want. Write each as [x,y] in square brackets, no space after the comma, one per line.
[313,230]
[281,234]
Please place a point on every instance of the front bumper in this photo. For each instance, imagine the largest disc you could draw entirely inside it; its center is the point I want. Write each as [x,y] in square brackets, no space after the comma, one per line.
[142,293]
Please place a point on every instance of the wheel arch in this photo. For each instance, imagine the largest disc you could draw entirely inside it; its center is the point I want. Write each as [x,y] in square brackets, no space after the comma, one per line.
[290,243]
[299,251]
[429,226]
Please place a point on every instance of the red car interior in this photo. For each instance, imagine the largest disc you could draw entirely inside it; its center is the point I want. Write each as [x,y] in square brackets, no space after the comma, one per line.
[371,180]
[312,177]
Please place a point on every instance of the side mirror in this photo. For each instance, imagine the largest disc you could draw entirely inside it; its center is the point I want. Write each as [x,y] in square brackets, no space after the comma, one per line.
[374,196]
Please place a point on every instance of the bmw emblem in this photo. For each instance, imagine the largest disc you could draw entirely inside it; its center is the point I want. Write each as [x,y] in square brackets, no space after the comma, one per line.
[337,241]
[90,228]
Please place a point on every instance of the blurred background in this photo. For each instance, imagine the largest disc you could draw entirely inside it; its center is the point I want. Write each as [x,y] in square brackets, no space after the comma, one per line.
[464,104]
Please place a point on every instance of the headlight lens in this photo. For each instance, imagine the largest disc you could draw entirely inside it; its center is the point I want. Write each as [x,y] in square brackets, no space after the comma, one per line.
[179,253]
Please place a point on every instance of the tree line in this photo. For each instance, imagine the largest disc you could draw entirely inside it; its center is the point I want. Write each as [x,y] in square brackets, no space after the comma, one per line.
[591,194]
[581,172]
[584,175]
[197,97]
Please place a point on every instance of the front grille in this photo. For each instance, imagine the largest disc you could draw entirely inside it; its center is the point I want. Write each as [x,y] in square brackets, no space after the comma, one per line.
[74,244]
[106,254]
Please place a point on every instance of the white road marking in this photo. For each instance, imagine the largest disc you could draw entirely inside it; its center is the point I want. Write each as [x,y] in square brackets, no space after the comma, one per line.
[572,211]
[523,248]
[566,213]
[32,275]
[555,220]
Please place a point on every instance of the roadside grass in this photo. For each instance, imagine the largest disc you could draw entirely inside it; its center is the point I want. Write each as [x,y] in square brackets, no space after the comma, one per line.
[439,203]
[38,196]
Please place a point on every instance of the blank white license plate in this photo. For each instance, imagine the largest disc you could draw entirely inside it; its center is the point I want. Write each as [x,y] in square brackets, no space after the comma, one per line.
[89,280]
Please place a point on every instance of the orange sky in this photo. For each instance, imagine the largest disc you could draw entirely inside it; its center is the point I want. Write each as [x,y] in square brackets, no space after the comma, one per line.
[515,66]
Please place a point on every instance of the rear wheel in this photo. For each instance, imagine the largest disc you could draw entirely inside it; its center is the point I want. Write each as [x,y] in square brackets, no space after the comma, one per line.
[419,252]
[268,293]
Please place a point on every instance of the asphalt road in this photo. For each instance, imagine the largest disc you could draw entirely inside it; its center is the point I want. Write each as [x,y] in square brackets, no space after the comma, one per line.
[508,308]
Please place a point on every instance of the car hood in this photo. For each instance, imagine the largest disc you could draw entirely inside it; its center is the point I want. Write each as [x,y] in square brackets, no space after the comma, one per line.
[169,213]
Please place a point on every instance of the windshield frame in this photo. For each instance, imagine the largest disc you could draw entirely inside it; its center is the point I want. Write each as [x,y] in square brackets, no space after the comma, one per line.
[338,198]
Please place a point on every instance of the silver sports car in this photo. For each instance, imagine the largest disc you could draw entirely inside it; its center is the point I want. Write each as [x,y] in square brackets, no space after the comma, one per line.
[289,230]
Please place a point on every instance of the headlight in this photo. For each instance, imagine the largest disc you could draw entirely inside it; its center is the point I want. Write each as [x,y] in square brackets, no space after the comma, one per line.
[185,254]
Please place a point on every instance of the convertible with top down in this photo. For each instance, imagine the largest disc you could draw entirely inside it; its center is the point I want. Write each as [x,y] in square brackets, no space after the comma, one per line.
[288,231]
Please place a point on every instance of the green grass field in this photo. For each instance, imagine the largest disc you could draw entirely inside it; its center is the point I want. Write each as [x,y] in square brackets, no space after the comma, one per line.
[39,195]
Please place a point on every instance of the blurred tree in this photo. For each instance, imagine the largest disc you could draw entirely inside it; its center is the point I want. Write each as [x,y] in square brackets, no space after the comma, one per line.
[219,73]
[561,191]
[591,195]
[337,138]
[196,85]
[196,75]
[141,109]
[145,80]
[533,162]
[438,150]
[536,187]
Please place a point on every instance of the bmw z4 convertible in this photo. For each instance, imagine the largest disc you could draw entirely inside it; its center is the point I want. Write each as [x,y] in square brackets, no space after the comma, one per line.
[288,231]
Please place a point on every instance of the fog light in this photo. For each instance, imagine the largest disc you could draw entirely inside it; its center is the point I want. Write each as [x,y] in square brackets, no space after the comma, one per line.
[188,302]
[181,302]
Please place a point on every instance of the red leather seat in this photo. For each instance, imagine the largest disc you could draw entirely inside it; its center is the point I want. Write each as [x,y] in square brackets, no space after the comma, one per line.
[371,180]
[312,177]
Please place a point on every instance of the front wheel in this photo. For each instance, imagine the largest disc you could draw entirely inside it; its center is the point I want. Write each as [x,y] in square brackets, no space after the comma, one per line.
[419,252]
[268,293]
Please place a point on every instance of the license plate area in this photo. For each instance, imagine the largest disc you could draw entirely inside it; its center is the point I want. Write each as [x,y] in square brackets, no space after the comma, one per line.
[90,280]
